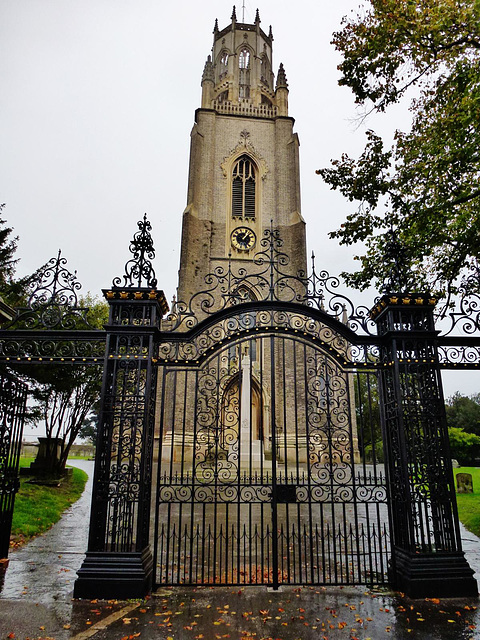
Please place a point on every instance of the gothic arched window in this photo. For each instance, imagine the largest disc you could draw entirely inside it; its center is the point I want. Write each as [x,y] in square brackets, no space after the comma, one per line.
[264,69]
[244,74]
[243,188]
[223,64]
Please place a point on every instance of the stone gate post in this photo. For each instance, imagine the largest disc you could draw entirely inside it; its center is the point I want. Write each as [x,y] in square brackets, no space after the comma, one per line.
[118,563]
[427,556]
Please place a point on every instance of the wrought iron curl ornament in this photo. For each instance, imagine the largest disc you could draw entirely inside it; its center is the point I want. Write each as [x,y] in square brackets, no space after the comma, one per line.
[260,321]
[269,281]
[456,357]
[52,300]
[322,294]
[464,313]
[139,268]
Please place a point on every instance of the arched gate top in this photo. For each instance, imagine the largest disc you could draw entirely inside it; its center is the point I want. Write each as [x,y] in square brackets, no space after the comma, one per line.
[254,318]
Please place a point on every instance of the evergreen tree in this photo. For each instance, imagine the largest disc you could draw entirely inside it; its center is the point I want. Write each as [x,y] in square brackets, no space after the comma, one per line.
[11,290]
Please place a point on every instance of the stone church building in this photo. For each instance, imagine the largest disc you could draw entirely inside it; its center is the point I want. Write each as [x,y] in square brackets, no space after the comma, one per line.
[244,167]
[243,206]
[239,434]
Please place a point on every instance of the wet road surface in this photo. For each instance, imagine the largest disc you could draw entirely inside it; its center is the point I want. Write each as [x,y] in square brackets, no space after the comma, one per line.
[36,602]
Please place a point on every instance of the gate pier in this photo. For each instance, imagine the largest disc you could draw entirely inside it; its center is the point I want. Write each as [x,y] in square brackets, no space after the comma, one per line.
[427,557]
[119,561]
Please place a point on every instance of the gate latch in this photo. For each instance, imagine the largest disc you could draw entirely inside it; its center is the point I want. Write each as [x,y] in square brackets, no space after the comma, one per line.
[286,493]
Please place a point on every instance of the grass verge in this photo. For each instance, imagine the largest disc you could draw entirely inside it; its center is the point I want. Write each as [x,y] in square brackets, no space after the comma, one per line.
[469,503]
[37,507]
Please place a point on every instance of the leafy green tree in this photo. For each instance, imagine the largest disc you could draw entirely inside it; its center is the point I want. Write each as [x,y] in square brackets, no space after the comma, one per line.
[89,429]
[465,447]
[464,412]
[65,395]
[426,185]
[367,410]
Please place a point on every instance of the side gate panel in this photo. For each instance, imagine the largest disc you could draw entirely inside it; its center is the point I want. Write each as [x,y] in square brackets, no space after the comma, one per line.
[13,398]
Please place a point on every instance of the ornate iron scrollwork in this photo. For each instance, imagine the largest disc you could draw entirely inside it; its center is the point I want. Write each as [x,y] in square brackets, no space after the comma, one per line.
[139,269]
[459,322]
[52,300]
[464,312]
[269,281]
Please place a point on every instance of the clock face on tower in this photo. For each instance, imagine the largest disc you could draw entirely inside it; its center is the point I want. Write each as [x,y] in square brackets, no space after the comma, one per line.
[243,239]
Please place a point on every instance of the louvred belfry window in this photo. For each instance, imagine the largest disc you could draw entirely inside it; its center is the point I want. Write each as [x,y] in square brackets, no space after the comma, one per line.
[243,189]
[223,65]
[244,74]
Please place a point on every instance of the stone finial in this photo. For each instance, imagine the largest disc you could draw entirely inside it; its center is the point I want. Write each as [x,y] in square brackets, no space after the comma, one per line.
[281,78]
[270,33]
[215,28]
[234,15]
[208,74]
[257,17]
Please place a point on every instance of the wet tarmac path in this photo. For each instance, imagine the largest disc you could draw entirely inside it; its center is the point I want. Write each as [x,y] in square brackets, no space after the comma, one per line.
[36,603]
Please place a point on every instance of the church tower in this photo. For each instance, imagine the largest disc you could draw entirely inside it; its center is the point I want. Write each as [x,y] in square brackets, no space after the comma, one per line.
[244,165]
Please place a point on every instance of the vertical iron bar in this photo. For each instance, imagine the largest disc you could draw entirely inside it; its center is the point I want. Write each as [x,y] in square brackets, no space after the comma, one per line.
[275,583]
[308,443]
[193,502]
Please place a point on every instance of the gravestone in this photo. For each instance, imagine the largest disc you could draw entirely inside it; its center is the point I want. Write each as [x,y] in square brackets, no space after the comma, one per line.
[464,483]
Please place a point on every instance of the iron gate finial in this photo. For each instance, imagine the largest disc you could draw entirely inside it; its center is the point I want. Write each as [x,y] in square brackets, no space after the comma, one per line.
[140,266]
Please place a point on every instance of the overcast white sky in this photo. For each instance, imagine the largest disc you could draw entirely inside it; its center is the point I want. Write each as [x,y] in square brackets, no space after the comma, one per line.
[98,100]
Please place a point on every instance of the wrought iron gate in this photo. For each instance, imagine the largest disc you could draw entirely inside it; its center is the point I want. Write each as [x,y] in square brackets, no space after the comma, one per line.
[264,434]
[13,397]
[259,474]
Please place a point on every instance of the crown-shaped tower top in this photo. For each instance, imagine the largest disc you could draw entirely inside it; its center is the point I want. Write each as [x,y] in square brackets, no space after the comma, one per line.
[238,77]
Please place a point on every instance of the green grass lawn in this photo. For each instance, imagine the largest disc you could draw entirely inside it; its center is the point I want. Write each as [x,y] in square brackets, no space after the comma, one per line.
[469,503]
[38,507]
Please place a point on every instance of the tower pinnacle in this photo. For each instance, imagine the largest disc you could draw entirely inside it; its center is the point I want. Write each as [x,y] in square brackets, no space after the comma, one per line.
[239,77]
[208,71]
[281,78]
[208,81]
